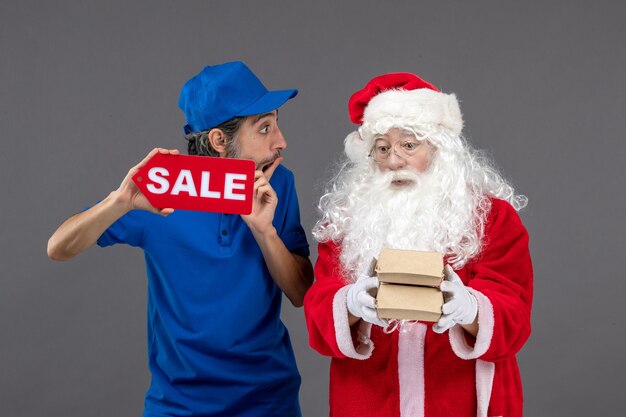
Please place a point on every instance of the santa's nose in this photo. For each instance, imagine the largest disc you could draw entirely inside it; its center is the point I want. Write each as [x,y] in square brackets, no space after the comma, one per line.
[395,161]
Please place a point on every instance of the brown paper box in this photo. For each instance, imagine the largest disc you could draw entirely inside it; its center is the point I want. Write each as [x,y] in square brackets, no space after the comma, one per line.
[408,302]
[410,267]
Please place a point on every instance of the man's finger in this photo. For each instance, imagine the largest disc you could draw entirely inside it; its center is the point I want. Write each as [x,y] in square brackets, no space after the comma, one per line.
[450,306]
[366,299]
[166,211]
[260,180]
[451,275]
[370,283]
[444,323]
[147,158]
[438,329]
[173,151]
[371,315]
[154,152]
[264,189]
[448,286]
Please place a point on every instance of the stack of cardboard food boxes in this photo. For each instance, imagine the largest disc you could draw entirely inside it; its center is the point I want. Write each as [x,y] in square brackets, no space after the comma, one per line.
[409,285]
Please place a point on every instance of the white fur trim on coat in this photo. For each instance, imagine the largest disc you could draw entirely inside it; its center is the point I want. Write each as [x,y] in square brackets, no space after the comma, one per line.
[411,343]
[485,371]
[485,331]
[364,346]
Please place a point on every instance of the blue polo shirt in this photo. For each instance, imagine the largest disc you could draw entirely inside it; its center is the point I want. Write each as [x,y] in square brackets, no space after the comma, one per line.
[216,344]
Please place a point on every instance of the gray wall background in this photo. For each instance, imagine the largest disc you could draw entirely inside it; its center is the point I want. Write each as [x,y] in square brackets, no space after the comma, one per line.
[88,87]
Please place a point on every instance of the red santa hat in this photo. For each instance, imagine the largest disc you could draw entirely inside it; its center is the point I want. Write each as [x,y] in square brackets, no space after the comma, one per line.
[399,100]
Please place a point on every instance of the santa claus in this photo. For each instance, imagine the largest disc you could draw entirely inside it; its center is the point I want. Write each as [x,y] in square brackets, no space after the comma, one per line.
[410,181]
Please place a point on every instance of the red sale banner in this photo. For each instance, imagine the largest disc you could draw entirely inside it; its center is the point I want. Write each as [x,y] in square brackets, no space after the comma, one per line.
[200,183]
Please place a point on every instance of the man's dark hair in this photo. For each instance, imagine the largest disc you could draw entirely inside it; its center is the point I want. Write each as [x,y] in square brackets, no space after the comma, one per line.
[198,142]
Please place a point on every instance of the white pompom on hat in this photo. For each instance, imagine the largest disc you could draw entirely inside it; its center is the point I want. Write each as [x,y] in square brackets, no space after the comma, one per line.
[399,100]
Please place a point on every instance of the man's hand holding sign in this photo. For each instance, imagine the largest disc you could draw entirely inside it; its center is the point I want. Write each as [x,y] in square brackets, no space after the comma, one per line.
[166,180]
[264,200]
[221,185]
[129,191]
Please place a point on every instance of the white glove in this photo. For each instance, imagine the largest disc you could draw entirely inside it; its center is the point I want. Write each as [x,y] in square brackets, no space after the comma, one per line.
[360,301]
[460,307]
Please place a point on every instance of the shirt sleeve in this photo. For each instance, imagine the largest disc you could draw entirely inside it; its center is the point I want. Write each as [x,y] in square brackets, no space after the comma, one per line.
[127,229]
[291,232]
[501,279]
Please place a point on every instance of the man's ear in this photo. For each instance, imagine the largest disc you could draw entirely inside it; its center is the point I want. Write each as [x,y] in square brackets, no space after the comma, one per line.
[217,139]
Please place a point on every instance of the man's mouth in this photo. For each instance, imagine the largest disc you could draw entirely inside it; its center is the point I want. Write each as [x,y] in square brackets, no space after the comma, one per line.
[266,164]
[404,178]
[401,182]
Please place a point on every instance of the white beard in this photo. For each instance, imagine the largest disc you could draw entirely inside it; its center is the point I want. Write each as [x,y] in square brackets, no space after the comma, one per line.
[445,210]
[385,216]
[429,215]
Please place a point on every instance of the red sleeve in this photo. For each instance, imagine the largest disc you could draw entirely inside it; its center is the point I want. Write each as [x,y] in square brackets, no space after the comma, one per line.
[503,274]
[319,300]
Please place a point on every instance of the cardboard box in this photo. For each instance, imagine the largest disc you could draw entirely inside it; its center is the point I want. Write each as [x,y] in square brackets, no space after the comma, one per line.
[410,267]
[408,302]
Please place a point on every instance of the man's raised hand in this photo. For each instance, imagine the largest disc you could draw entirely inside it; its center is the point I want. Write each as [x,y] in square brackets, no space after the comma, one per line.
[129,193]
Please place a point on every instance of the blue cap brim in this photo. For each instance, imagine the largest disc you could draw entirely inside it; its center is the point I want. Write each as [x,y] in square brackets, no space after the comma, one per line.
[269,102]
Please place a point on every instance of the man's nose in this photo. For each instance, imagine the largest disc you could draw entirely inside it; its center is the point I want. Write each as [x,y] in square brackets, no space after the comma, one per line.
[395,161]
[279,141]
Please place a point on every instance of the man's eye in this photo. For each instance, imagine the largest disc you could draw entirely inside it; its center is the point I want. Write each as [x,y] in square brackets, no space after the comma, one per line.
[409,146]
[265,129]
[382,149]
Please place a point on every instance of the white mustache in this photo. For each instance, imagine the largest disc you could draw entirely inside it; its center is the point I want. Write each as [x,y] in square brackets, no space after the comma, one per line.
[405,175]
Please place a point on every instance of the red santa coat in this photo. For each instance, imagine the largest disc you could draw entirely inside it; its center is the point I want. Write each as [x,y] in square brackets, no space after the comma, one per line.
[414,371]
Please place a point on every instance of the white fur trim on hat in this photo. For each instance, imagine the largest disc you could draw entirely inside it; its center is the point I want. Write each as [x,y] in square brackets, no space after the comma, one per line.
[356,147]
[423,110]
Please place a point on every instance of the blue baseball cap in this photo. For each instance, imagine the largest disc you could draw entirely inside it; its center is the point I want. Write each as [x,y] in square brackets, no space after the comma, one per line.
[220,92]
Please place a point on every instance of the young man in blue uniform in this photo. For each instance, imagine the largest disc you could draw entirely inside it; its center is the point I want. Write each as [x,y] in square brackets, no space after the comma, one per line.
[216,345]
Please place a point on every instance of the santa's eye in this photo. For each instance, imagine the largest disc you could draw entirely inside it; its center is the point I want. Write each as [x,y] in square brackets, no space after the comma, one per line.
[382,149]
[409,146]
